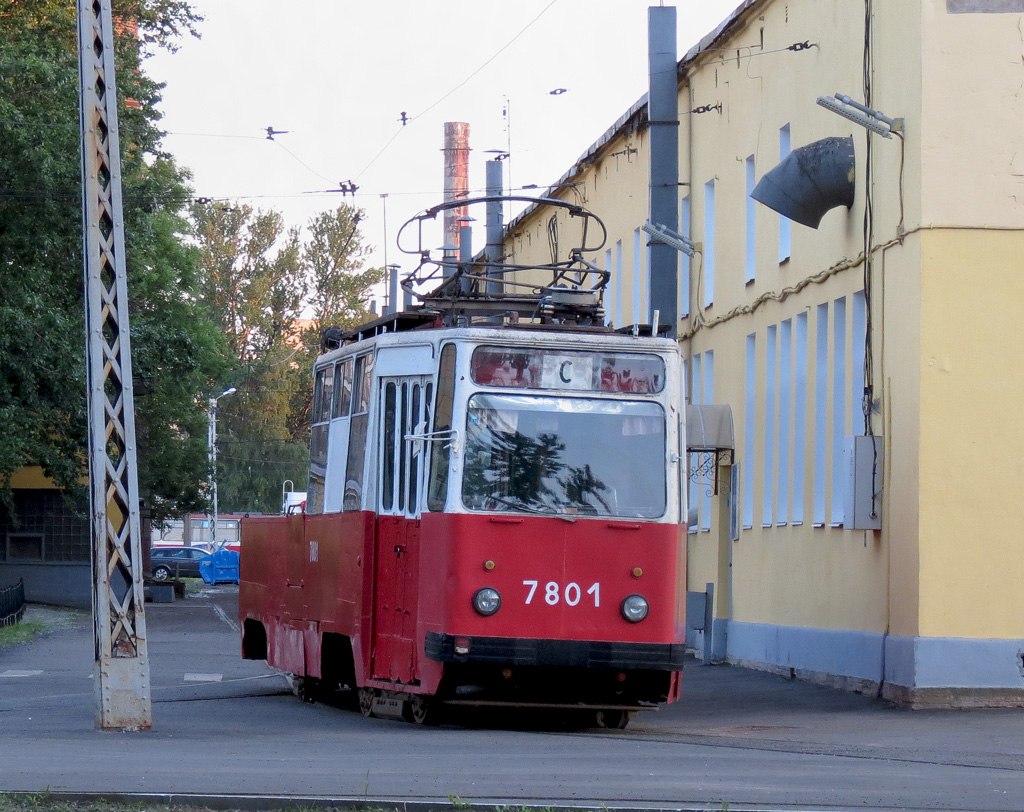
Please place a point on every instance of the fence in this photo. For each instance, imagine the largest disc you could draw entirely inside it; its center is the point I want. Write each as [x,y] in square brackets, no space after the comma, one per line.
[12,604]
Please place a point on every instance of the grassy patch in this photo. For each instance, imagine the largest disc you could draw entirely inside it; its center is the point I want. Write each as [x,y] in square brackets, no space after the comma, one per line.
[37,620]
[20,633]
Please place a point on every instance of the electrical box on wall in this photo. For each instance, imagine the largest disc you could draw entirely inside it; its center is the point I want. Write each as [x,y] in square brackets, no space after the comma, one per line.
[863,502]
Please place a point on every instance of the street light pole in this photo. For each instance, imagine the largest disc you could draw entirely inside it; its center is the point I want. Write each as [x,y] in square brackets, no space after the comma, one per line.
[211,441]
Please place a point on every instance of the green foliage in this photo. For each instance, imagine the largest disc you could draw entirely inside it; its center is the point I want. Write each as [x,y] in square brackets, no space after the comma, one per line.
[176,347]
[338,295]
[252,279]
[263,284]
[20,633]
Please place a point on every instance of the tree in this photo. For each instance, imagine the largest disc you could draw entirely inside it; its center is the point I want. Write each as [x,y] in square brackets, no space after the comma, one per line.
[339,292]
[253,281]
[334,256]
[252,278]
[176,348]
[260,279]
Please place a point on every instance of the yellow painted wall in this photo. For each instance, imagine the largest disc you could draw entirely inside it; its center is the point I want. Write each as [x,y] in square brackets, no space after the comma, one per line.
[946,310]
[972,559]
[896,91]
[972,169]
[817,577]
[972,107]
[32,477]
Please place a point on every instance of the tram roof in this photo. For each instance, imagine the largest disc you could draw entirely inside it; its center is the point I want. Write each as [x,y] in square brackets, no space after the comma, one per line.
[430,325]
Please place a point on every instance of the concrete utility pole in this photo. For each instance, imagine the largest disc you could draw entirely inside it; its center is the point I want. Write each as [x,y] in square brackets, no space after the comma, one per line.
[122,661]
[211,441]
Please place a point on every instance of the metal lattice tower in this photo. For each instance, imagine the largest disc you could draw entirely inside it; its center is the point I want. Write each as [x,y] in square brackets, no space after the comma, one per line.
[122,662]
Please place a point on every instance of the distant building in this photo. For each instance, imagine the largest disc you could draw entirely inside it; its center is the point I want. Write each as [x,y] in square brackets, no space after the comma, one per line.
[196,530]
[897,318]
[49,544]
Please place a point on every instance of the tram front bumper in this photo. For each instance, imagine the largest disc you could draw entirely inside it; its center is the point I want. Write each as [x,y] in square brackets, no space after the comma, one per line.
[520,651]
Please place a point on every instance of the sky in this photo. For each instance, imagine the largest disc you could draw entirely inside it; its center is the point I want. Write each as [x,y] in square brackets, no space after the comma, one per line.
[334,77]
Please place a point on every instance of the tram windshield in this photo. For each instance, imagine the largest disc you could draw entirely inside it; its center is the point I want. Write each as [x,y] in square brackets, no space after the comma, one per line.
[591,456]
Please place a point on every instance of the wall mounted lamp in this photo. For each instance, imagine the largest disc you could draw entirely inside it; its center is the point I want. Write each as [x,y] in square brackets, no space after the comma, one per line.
[671,238]
[873,120]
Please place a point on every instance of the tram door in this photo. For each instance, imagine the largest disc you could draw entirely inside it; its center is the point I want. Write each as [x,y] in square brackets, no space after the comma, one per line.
[404,409]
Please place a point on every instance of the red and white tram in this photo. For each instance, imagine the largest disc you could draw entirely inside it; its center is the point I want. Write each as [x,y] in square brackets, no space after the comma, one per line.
[494,516]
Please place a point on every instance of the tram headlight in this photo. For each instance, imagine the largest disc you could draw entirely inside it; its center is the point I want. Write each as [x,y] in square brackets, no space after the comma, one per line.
[635,608]
[487,601]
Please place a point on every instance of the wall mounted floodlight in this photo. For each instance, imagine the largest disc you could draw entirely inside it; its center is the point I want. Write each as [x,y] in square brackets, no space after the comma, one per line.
[671,238]
[873,120]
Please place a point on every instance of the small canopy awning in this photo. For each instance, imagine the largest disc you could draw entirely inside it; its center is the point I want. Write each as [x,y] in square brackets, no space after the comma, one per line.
[709,428]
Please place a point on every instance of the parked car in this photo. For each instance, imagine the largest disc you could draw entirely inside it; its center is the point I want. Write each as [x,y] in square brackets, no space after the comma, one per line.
[176,562]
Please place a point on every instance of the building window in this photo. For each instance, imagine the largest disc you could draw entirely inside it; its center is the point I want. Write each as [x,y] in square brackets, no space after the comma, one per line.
[707,397]
[838,408]
[639,294]
[50,526]
[751,253]
[618,283]
[709,243]
[693,460]
[820,412]
[857,393]
[610,299]
[784,222]
[770,385]
[702,391]
[799,416]
[24,547]
[749,412]
[684,260]
[785,394]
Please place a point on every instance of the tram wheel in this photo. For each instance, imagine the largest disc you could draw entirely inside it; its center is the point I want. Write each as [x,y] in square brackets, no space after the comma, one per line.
[420,710]
[366,697]
[305,688]
[309,689]
[612,719]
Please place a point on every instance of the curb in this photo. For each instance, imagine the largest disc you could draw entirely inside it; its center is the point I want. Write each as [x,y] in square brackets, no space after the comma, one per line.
[267,803]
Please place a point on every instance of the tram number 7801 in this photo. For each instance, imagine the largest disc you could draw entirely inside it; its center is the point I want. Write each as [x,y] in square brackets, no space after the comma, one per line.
[554,593]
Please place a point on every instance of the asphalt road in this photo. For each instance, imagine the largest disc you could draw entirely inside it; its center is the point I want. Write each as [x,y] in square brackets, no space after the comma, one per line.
[223,725]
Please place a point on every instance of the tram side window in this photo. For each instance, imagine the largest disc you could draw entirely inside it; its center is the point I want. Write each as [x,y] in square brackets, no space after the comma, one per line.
[403,422]
[323,414]
[357,434]
[315,504]
[440,450]
[318,392]
[387,499]
[322,395]
[413,469]
[343,388]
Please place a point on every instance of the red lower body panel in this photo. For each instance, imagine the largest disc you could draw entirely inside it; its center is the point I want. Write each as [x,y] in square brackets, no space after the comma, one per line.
[389,602]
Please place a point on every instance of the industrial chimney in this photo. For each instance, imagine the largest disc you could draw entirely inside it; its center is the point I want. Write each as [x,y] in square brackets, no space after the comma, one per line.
[456,180]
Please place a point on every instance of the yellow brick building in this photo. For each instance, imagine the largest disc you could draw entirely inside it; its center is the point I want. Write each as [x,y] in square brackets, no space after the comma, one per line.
[909,300]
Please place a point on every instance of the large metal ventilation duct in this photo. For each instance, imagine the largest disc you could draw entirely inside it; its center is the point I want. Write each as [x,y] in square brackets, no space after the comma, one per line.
[663,122]
[810,181]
